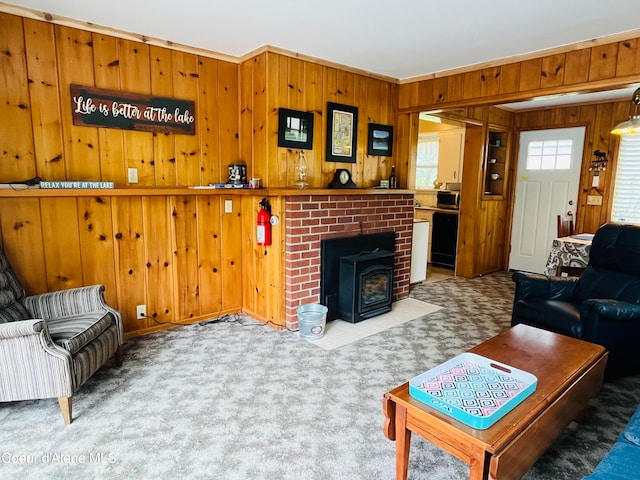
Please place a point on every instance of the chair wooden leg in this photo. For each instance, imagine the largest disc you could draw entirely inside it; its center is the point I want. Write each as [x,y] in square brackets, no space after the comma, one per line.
[65,408]
[118,356]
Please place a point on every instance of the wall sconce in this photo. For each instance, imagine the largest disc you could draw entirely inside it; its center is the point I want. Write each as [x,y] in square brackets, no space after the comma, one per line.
[598,164]
[631,126]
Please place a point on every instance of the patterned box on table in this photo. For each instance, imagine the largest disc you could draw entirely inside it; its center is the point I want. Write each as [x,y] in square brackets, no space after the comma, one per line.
[473,389]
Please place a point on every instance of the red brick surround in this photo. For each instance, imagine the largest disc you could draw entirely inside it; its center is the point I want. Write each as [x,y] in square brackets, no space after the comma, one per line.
[311,218]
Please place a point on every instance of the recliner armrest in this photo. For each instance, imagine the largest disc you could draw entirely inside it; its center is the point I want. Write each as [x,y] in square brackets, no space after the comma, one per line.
[21,328]
[609,309]
[530,285]
[65,303]
[73,301]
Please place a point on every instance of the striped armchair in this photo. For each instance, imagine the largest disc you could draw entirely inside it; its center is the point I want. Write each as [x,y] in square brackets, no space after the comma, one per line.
[51,344]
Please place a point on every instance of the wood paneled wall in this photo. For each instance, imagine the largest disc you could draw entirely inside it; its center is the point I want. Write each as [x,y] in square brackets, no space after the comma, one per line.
[485,229]
[183,256]
[40,60]
[599,120]
[581,69]
[271,81]
[179,254]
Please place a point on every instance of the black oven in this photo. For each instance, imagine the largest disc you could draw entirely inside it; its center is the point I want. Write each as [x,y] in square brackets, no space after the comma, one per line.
[448,199]
[444,240]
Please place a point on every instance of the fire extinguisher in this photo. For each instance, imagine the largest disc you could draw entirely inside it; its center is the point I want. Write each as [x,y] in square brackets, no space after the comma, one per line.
[264,223]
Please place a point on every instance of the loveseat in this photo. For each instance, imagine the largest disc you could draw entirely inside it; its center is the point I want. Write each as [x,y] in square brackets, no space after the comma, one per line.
[51,344]
[623,460]
[601,306]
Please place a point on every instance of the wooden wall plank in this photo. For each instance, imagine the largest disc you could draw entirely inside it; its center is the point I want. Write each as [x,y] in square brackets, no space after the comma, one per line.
[231,234]
[425,92]
[552,70]
[16,141]
[160,261]
[273,260]
[472,81]
[186,288]
[530,73]
[164,145]
[45,103]
[374,166]
[455,87]
[365,113]
[490,81]
[96,245]
[185,86]
[439,92]
[314,97]
[469,209]
[23,243]
[128,228]
[135,76]
[62,256]
[604,59]
[278,168]
[246,113]
[75,66]
[509,78]
[208,120]
[253,274]
[106,63]
[296,84]
[228,116]
[577,66]
[628,61]
[209,255]
[261,117]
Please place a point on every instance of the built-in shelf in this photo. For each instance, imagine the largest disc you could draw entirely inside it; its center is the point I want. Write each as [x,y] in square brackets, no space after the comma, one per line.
[159,191]
[495,166]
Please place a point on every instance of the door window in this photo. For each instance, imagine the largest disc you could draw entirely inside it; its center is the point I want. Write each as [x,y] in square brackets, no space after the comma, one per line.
[549,155]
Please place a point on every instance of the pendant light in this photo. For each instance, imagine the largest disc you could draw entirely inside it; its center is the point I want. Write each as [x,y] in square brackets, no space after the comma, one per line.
[631,126]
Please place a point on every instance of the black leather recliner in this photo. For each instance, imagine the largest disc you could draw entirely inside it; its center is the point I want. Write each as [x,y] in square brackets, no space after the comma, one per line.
[601,306]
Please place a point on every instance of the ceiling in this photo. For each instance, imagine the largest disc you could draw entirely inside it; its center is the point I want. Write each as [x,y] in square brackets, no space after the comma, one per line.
[400,40]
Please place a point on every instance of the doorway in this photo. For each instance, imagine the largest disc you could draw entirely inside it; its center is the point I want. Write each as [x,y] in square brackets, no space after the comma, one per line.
[547,180]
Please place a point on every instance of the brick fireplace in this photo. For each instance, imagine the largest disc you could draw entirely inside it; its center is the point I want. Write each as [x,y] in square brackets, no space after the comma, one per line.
[312,218]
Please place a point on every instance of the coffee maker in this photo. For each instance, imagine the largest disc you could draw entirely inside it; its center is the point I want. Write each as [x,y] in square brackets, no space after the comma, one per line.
[237,174]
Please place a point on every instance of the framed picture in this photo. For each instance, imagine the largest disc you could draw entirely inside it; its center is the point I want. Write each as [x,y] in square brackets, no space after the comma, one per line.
[342,133]
[295,129]
[380,140]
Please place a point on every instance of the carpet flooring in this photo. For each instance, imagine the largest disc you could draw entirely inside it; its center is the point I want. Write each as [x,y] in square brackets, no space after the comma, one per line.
[241,401]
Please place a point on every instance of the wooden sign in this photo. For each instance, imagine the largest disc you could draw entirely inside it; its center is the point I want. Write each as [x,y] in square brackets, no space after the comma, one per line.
[100,107]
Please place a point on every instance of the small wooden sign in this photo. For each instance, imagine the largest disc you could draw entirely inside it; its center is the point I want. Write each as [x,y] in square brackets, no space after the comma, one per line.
[100,107]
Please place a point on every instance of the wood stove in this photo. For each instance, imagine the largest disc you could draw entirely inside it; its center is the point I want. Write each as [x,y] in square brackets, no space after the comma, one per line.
[366,285]
[331,252]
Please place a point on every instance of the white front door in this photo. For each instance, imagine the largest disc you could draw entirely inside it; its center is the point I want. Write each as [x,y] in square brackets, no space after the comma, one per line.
[548,175]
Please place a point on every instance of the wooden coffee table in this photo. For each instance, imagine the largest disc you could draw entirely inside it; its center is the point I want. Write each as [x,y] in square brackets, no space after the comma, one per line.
[569,372]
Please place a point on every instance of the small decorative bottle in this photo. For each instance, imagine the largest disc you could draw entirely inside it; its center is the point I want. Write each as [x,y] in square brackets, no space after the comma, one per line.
[393,179]
[301,172]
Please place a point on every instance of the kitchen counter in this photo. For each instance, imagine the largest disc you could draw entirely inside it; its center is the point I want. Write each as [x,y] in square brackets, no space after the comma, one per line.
[436,209]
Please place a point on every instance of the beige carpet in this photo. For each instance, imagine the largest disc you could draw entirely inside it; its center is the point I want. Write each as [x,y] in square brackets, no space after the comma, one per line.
[339,332]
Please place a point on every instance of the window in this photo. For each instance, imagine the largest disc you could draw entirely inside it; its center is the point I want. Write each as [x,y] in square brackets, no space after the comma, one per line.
[427,160]
[549,155]
[626,194]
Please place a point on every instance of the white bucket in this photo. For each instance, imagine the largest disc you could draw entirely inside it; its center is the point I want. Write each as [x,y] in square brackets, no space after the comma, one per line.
[312,319]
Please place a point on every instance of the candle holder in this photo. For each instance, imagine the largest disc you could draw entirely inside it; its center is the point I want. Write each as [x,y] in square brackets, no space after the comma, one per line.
[301,172]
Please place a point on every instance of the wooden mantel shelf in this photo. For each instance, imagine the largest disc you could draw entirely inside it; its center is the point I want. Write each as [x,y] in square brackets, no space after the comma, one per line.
[159,191]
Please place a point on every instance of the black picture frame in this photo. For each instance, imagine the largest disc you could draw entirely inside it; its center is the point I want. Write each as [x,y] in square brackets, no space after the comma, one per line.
[295,129]
[342,133]
[380,140]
